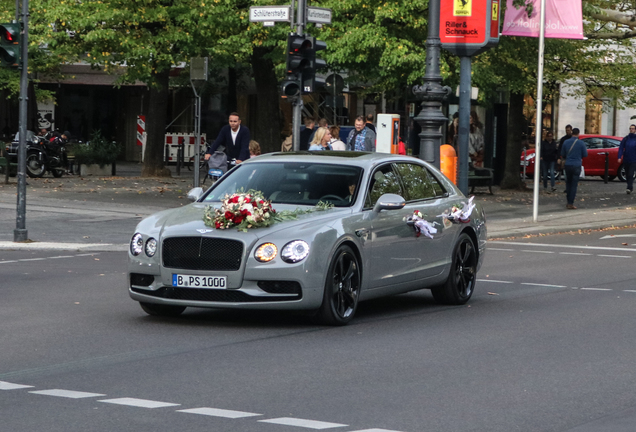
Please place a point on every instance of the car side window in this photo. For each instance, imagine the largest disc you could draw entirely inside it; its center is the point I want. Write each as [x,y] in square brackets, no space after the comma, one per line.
[593,143]
[418,182]
[384,180]
[610,143]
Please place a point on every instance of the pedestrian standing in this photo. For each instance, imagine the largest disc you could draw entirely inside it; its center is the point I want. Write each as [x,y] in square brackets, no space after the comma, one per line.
[335,142]
[369,123]
[306,134]
[573,151]
[627,156]
[548,159]
[361,138]
[564,138]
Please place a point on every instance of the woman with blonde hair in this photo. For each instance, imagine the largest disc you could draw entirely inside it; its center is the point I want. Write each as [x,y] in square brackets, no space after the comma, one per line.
[321,140]
[255,148]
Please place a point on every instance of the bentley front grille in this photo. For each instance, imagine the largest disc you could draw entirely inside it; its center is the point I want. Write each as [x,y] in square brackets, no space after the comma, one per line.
[202,253]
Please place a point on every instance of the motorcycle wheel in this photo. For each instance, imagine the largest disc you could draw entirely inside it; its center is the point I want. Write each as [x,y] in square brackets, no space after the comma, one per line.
[57,173]
[34,167]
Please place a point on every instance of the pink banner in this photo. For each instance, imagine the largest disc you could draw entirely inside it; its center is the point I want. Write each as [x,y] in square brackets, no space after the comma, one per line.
[563,19]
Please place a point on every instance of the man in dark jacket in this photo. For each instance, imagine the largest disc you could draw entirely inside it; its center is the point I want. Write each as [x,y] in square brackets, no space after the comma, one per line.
[235,138]
[306,134]
[627,156]
[548,159]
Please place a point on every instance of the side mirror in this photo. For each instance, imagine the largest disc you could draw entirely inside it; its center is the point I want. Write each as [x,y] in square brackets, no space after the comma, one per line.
[389,202]
[195,193]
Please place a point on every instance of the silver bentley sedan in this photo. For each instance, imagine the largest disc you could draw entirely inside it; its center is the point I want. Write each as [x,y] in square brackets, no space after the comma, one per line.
[314,231]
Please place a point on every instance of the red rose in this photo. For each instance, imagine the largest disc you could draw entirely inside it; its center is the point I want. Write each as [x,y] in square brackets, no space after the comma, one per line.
[228,215]
[254,204]
[234,199]
[245,213]
[261,202]
[238,219]
[247,200]
[217,225]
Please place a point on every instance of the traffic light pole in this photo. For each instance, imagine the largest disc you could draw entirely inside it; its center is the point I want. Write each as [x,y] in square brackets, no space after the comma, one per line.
[20,234]
[301,16]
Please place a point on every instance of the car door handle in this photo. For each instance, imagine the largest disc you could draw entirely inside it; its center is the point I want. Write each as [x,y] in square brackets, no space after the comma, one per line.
[362,232]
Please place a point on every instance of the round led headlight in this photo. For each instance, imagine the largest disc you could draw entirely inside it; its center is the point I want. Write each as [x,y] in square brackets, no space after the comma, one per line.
[266,252]
[151,247]
[136,244]
[295,251]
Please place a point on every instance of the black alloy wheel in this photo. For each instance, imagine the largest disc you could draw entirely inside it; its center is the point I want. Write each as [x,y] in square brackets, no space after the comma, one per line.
[342,288]
[162,310]
[35,168]
[460,284]
[622,173]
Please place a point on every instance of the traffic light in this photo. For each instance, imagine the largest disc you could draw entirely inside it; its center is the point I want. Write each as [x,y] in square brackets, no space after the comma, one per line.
[309,80]
[290,87]
[10,43]
[297,47]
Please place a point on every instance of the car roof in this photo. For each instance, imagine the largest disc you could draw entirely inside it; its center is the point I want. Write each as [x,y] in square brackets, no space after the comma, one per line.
[349,158]
[600,136]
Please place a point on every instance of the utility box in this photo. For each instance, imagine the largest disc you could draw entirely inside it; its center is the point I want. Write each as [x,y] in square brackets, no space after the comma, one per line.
[387,133]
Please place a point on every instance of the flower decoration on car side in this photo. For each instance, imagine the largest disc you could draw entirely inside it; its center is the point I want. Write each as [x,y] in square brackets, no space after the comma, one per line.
[246,210]
[460,214]
[421,226]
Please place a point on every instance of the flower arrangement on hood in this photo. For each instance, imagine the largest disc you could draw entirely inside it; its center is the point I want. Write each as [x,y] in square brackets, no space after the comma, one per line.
[246,210]
[460,214]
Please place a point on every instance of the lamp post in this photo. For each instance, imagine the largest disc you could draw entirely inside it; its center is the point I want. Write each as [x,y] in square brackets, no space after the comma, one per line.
[432,93]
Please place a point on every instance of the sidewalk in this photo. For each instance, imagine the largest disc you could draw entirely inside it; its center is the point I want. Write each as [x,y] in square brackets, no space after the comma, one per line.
[74,213]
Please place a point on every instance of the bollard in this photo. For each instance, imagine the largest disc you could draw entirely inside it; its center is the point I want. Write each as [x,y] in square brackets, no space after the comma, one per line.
[179,156]
[167,156]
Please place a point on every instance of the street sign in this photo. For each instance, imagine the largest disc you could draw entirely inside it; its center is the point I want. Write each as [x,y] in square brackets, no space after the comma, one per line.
[468,27]
[270,13]
[318,15]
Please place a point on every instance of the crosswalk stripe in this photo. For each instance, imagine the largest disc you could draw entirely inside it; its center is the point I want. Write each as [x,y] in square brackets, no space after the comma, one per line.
[216,412]
[140,403]
[309,424]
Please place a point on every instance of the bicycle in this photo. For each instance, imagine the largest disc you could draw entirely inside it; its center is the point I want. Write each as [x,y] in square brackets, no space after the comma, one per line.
[203,164]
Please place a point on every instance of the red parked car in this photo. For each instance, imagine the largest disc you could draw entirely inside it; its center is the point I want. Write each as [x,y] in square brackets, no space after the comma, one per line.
[597,147]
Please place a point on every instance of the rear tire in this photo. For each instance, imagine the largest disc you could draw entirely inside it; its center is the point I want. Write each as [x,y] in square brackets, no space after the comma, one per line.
[460,284]
[162,310]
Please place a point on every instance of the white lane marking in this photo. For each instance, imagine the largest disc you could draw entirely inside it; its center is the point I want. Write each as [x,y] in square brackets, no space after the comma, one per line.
[596,289]
[494,281]
[87,254]
[536,251]
[62,256]
[500,249]
[617,235]
[375,430]
[32,259]
[216,412]
[66,393]
[140,403]
[574,253]
[309,424]
[10,386]
[615,256]
[543,285]
[564,246]
[632,291]
[4,262]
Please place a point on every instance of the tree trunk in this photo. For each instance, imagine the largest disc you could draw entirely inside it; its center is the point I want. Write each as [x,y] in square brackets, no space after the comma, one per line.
[156,126]
[232,101]
[267,127]
[516,121]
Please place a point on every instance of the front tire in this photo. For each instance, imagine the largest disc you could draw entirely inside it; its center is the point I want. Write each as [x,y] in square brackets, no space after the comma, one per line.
[162,310]
[34,167]
[342,288]
[460,284]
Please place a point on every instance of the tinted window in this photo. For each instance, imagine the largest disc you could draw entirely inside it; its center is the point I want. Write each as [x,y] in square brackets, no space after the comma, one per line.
[291,183]
[611,143]
[383,181]
[418,182]
[593,143]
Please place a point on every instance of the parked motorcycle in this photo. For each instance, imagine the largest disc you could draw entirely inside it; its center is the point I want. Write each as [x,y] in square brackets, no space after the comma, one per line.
[44,155]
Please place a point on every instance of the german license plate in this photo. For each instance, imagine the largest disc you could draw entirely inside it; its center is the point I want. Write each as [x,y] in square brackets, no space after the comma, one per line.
[525,163]
[191,281]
